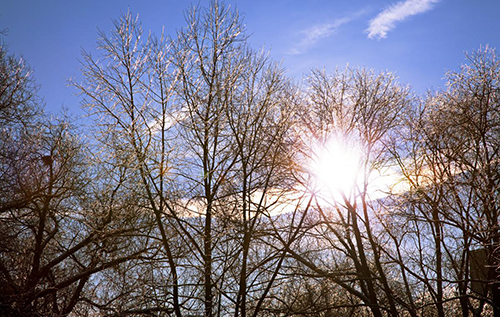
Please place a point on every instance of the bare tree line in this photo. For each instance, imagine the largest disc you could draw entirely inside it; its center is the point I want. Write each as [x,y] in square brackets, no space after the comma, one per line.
[192,193]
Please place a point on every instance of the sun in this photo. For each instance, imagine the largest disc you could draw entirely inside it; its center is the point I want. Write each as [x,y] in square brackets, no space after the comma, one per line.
[341,170]
[336,166]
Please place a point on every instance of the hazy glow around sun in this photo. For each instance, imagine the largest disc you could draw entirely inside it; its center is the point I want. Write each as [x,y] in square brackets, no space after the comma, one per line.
[338,168]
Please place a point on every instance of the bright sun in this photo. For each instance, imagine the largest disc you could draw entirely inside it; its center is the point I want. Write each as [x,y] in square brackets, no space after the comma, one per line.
[338,168]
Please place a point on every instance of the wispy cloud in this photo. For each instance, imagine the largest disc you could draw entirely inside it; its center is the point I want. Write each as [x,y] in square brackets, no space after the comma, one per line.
[316,33]
[386,20]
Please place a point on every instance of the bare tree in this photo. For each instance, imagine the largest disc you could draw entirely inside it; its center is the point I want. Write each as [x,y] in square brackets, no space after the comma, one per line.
[56,235]
[362,109]
[198,127]
[239,110]
[56,241]
[454,185]
[130,95]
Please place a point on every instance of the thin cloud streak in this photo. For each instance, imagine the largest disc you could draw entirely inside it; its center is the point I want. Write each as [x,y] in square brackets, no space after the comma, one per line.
[386,20]
[314,34]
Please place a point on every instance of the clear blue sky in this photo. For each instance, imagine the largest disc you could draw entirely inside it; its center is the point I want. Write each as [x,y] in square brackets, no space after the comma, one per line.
[417,39]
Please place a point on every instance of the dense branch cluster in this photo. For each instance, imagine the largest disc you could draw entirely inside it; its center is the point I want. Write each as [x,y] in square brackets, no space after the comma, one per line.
[192,193]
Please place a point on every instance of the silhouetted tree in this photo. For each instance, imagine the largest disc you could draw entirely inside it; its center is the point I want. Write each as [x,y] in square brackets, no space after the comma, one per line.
[200,124]
[55,236]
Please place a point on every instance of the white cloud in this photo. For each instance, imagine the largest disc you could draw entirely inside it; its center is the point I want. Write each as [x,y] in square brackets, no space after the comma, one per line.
[314,34]
[386,20]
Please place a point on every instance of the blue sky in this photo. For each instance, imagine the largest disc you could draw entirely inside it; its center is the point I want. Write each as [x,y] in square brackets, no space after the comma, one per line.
[417,39]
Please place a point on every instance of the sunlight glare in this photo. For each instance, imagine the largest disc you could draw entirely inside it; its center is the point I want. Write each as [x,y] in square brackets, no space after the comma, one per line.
[336,166]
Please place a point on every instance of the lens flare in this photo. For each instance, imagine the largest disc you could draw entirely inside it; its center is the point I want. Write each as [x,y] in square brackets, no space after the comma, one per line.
[337,165]
[341,171]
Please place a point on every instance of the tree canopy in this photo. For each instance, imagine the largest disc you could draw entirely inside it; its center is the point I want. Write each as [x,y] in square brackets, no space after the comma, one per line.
[209,183]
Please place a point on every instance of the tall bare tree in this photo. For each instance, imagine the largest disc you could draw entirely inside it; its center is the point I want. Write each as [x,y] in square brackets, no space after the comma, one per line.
[356,108]
[454,179]
[53,237]
[198,125]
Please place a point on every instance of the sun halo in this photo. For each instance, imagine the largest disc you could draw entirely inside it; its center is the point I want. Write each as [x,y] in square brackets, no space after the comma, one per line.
[340,171]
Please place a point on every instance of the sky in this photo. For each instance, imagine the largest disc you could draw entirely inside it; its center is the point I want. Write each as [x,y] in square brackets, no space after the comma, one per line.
[418,40]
